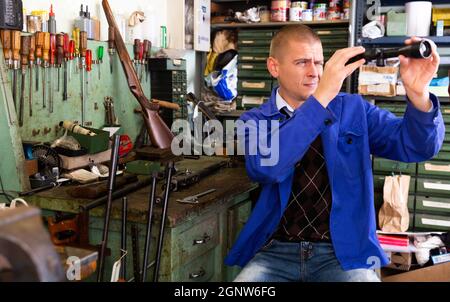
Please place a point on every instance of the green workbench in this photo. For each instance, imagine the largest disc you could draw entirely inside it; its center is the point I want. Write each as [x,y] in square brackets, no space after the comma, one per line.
[215,222]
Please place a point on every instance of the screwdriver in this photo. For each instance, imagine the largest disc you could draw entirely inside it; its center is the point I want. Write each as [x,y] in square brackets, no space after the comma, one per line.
[136,49]
[100,51]
[111,47]
[15,41]
[45,56]
[39,49]
[76,38]
[82,50]
[88,70]
[52,54]
[6,41]
[71,56]
[66,50]
[147,46]
[59,56]
[24,52]
[31,63]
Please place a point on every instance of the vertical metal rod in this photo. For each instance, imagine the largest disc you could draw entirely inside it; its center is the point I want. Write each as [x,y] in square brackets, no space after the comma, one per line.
[123,245]
[135,247]
[148,237]
[163,220]
[30,92]
[111,184]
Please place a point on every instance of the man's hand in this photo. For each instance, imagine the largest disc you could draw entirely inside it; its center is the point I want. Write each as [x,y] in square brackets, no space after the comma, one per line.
[335,72]
[417,74]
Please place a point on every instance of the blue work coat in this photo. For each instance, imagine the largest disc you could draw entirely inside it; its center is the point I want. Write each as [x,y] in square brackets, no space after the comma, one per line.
[351,130]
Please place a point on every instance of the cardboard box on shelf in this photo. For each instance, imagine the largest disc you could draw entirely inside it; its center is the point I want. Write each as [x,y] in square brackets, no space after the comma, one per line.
[378,81]
[400,261]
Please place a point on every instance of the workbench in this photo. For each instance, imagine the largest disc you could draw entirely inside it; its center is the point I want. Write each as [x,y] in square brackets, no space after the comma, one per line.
[197,236]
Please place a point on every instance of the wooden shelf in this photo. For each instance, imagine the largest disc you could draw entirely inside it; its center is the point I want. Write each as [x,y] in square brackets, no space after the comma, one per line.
[275,24]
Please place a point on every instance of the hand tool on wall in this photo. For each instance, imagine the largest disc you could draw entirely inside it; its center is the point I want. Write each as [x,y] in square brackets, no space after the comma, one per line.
[24,52]
[111,47]
[6,42]
[100,51]
[147,54]
[141,60]
[45,58]
[111,184]
[76,39]
[66,50]
[71,56]
[59,56]
[52,21]
[136,51]
[83,48]
[52,54]
[31,59]
[40,36]
[145,46]
[88,71]
[15,41]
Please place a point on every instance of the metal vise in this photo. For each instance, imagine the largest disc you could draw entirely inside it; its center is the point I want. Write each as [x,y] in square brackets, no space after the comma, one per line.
[26,251]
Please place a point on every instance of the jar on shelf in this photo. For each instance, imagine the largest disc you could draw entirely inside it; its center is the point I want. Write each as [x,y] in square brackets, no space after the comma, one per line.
[279,10]
[320,12]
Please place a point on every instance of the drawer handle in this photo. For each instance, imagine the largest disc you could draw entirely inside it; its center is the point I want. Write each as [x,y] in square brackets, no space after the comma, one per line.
[198,274]
[204,240]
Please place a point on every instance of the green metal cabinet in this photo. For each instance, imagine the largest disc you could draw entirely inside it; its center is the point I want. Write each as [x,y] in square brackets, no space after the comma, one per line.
[433,187]
[433,205]
[435,169]
[432,222]
[386,165]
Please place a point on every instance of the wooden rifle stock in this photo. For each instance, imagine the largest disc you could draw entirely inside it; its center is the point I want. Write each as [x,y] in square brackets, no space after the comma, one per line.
[160,135]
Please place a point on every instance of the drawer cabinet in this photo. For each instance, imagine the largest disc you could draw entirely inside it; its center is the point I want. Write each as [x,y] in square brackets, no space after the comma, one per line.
[432,222]
[385,165]
[433,205]
[433,187]
[435,168]
[197,240]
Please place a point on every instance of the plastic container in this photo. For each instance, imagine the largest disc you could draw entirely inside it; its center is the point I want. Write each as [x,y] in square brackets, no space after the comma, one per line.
[295,12]
[396,24]
[307,15]
[93,144]
[320,12]
[279,12]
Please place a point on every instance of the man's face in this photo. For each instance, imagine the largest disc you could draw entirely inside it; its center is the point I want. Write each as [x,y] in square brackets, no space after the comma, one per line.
[298,68]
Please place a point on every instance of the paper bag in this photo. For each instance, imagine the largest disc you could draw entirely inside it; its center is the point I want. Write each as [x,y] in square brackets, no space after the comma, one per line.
[394,215]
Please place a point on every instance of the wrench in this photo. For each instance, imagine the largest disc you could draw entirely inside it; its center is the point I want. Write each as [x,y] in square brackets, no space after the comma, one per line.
[194,198]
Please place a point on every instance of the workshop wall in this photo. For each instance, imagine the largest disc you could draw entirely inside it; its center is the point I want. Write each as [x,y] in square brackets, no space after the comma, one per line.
[156,10]
[42,126]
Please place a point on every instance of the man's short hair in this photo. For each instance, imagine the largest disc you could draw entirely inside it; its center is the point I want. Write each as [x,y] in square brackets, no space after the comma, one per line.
[298,32]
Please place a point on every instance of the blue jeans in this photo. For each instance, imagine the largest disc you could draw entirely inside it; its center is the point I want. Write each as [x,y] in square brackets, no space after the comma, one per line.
[300,262]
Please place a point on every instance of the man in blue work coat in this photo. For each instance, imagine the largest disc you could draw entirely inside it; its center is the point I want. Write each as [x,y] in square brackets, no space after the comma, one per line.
[315,217]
